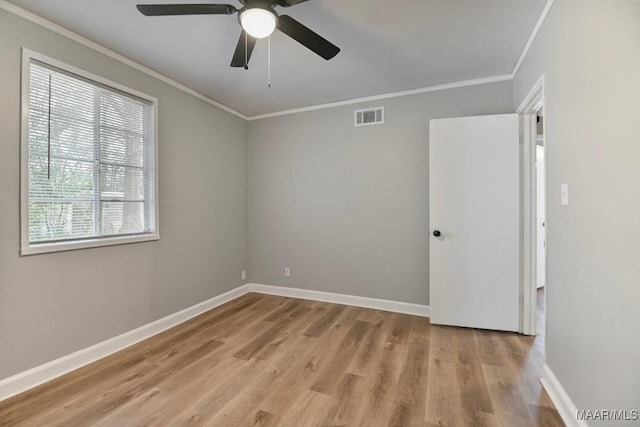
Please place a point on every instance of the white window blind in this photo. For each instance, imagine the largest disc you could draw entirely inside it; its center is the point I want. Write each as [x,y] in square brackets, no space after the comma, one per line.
[90,159]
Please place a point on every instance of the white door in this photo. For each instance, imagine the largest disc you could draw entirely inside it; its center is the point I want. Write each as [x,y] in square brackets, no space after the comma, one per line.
[474,208]
[541,234]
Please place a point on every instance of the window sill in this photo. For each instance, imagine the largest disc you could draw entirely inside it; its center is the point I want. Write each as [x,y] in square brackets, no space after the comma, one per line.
[35,249]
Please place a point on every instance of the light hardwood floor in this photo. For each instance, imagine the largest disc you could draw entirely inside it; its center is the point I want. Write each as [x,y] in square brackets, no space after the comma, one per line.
[271,361]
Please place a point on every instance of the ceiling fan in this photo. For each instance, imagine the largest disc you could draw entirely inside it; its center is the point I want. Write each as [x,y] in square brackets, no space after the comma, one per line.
[258,19]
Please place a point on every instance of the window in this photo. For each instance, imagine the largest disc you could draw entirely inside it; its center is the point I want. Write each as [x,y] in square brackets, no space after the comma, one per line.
[88,160]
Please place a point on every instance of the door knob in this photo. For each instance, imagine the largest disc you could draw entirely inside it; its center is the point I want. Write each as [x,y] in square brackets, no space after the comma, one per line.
[437,233]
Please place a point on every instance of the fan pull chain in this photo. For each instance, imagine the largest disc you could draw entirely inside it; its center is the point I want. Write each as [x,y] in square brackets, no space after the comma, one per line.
[246,48]
[269,63]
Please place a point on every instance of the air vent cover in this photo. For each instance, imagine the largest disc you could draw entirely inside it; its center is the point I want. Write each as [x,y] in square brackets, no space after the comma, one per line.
[371,116]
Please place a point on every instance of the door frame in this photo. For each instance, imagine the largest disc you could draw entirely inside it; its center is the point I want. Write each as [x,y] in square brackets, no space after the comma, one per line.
[528,125]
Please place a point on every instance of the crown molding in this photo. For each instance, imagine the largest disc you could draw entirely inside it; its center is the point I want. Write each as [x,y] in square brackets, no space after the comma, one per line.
[532,37]
[453,85]
[58,29]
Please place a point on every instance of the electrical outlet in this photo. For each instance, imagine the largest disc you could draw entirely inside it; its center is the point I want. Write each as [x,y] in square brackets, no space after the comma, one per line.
[244,275]
[287,272]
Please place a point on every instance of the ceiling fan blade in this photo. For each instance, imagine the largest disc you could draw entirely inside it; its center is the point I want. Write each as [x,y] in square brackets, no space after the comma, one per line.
[307,37]
[239,57]
[186,9]
[287,3]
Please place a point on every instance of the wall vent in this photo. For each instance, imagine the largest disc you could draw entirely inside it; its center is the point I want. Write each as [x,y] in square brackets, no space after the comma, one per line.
[370,116]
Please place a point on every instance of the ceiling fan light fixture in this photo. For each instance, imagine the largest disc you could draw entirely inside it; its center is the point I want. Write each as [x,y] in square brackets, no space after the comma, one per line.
[258,23]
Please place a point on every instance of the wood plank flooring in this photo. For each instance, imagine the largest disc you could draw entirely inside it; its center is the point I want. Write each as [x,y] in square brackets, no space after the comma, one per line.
[272,361]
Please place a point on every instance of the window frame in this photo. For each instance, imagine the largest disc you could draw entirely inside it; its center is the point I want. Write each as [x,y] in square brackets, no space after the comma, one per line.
[27,248]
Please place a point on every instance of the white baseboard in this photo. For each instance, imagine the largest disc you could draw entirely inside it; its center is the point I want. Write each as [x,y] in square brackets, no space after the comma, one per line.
[378,304]
[565,406]
[23,381]
[34,377]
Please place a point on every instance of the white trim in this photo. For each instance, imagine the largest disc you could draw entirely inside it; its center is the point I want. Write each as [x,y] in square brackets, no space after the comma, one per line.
[534,99]
[51,26]
[40,374]
[356,301]
[27,248]
[44,23]
[29,54]
[563,403]
[532,37]
[58,29]
[24,150]
[34,377]
[528,216]
[155,135]
[453,85]
[527,110]
[36,249]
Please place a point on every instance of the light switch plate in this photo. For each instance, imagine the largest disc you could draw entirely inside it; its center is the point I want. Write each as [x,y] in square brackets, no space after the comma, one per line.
[564,194]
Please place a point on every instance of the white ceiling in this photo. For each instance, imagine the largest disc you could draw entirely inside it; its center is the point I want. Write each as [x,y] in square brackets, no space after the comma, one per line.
[387,46]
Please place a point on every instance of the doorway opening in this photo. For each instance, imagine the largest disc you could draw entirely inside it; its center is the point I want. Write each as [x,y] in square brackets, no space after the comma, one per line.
[541,224]
[533,208]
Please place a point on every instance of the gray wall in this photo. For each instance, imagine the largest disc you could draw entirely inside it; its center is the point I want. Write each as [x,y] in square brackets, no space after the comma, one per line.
[54,304]
[347,208]
[589,51]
